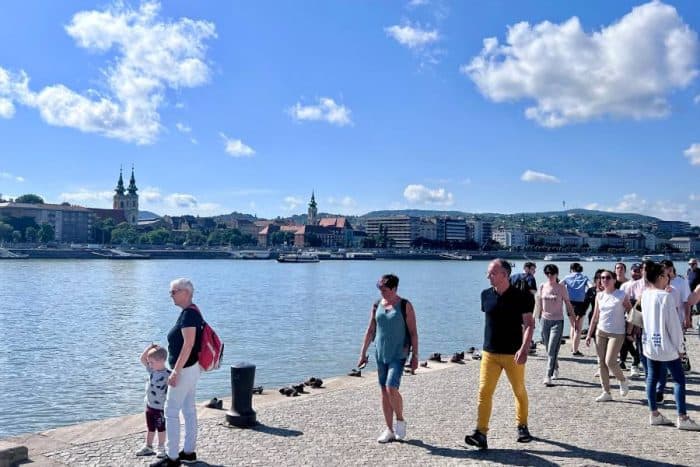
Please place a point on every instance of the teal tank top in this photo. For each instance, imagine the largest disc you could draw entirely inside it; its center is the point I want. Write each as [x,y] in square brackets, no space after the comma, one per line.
[390,338]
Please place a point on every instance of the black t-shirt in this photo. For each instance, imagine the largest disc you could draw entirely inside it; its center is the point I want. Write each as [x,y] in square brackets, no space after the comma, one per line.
[503,329]
[189,318]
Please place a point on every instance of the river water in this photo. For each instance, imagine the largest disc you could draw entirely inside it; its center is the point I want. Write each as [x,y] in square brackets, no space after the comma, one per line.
[71,332]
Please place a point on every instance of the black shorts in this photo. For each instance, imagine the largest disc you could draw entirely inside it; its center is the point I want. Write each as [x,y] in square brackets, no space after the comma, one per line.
[580,308]
[155,419]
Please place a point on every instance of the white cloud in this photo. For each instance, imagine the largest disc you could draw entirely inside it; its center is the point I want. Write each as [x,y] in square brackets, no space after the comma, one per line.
[150,195]
[693,153]
[236,147]
[182,128]
[291,203]
[152,56]
[414,3]
[347,203]
[90,198]
[694,197]
[420,194]
[574,77]
[326,110]
[697,99]
[663,209]
[9,176]
[532,176]
[412,37]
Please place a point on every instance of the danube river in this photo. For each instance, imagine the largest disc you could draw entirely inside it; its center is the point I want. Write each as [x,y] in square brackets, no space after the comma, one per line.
[71,332]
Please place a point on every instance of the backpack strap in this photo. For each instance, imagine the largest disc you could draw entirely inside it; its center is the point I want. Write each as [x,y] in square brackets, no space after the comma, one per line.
[404,306]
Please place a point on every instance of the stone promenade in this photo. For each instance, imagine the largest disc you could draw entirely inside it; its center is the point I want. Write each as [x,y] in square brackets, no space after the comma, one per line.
[338,425]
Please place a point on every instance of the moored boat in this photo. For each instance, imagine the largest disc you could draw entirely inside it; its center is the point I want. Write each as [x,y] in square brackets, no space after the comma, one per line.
[562,257]
[298,258]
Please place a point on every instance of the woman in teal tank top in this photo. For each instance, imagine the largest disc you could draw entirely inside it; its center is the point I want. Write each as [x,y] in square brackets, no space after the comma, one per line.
[395,333]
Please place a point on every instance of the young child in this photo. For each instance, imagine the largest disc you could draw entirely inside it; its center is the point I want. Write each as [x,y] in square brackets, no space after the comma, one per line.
[153,358]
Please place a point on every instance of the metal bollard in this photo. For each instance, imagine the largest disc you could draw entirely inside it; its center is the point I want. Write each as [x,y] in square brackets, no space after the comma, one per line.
[242,414]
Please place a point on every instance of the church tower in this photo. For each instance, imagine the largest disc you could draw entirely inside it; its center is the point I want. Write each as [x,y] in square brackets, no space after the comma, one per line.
[126,199]
[131,211]
[313,211]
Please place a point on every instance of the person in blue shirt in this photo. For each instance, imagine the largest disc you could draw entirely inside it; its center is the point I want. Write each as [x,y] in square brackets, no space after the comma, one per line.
[577,284]
[525,280]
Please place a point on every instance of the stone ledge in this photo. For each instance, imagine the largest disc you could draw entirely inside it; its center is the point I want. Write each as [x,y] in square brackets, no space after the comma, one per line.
[11,454]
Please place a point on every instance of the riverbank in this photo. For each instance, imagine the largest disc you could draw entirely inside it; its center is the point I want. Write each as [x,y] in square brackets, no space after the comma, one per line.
[338,425]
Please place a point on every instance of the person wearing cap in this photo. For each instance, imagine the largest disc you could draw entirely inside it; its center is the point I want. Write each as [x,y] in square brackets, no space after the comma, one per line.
[630,345]
[508,328]
[396,335]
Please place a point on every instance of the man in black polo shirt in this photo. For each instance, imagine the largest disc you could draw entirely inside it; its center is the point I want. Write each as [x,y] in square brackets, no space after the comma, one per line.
[507,333]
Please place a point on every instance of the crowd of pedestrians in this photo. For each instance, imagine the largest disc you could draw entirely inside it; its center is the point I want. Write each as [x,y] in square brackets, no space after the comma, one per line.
[644,316]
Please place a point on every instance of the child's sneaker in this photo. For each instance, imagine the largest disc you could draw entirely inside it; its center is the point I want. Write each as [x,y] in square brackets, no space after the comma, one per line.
[146,450]
[160,452]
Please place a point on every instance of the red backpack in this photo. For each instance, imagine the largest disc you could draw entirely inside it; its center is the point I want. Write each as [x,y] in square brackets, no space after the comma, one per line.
[211,349]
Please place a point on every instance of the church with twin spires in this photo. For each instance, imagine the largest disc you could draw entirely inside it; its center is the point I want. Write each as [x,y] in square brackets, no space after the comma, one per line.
[127,200]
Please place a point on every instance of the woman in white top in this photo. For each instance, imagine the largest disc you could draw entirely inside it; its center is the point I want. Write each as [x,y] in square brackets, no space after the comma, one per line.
[609,325]
[662,342]
[552,297]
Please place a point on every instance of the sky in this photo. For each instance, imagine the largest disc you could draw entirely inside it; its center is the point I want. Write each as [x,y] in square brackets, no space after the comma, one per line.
[249,106]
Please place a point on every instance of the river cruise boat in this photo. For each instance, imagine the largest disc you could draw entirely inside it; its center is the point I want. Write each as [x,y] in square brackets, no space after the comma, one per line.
[365,255]
[630,259]
[655,258]
[305,257]
[600,258]
[562,257]
[455,257]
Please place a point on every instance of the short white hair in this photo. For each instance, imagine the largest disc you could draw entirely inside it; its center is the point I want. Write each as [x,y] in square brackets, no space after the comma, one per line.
[182,284]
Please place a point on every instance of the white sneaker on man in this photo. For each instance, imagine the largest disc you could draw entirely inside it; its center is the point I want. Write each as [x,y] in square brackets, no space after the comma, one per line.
[656,420]
[634,372]
[624,387]
[160,452]
[386,436]
[687,424]
[605,397]
[400,429]
[547,381]
[556,374]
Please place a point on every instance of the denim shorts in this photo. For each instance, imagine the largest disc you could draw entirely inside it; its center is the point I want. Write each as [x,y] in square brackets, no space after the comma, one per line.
[389,374]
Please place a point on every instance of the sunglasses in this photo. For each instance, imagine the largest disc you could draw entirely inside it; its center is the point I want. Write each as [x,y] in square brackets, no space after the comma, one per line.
[606,278]
[173,292]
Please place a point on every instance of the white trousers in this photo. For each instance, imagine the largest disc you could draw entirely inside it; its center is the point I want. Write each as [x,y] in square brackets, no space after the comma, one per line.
[182,398]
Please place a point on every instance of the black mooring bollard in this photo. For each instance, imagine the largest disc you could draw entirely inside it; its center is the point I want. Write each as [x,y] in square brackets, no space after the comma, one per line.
[242,414]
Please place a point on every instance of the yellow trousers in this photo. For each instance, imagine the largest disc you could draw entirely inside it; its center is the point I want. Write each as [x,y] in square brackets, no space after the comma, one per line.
[491,366]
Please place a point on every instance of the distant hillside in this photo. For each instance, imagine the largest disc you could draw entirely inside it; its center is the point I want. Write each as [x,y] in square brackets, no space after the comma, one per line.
[583,220]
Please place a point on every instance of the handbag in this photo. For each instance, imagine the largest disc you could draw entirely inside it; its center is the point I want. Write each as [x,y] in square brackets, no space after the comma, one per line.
[635,317]
[685,362]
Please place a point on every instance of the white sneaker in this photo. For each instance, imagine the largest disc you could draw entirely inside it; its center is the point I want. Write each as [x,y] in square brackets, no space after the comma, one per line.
[658,420]
[146,450]
[687,424]
[634,372]
[556,374]
[160,452]
[605,397]
[547,381]
[400,429]
[624,387]
[386,436]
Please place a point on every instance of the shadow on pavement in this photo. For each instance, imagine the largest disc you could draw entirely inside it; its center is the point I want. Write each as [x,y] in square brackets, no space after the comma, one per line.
[277,431]
[602,457]
[502,456]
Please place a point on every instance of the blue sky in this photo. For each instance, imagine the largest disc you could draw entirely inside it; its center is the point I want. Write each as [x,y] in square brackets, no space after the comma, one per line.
[493,106]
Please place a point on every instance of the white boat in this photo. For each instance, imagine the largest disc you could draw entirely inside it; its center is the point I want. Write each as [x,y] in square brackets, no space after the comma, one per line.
[599,258]
[562,257]
[360,255]
[7,254]
[455,257]
[655,258]
[630,259]
[298,258]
